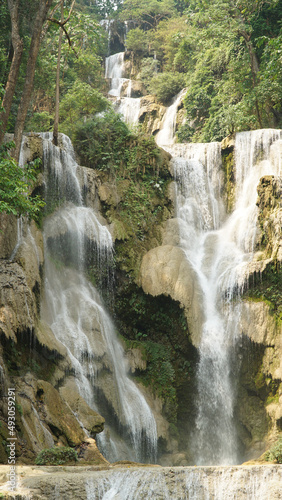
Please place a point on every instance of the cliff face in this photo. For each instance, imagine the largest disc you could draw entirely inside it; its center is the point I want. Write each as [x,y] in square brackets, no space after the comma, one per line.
[158,312]
[260,398]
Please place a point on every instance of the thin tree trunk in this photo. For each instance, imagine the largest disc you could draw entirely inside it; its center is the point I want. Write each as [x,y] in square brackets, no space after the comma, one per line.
[41,15]
[57,103]
[254,67]
[17,43]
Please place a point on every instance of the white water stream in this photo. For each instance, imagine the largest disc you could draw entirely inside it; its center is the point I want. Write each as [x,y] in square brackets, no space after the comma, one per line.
[75,312]
[219,248]
[128,106]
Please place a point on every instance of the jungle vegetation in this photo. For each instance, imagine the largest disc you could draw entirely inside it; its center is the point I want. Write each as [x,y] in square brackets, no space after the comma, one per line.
[226,53]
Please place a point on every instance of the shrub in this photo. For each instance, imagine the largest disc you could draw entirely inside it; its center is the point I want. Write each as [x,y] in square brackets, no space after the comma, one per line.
[149,69]
[16,185]
[100,142]
[137,41]
[166,85]
[275,452]
[56,456]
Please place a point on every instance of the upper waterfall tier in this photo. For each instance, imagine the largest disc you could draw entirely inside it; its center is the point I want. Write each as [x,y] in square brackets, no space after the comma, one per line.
[128,106]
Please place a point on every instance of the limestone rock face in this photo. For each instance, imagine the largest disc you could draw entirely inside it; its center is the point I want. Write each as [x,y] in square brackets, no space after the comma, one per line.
[8,235]
[90,419]
[270,215]
[135,88]
[165,270]
[58,415]
[17,307]
[264,331]
[151,114]
[47,418]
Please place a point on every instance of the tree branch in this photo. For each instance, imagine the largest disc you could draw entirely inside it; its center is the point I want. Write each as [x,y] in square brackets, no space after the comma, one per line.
[52,20]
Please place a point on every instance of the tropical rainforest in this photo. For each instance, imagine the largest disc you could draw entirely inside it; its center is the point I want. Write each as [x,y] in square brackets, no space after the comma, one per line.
[226,53]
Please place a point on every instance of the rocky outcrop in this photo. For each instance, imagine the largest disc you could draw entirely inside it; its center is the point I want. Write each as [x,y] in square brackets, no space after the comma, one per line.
[133,88]
[270,216]
[260,397]
[151,114]
[165,270]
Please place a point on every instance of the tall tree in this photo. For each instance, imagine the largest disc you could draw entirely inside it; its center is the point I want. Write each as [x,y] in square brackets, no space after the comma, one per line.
[41,15]
[62,24]
[17,44]
[148,13]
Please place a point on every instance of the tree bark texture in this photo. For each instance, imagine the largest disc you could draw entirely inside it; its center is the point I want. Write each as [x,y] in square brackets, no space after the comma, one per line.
[41,15]
[56,120]
[17,44]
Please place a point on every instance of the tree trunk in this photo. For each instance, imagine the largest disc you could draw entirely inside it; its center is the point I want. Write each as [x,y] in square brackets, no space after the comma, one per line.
[14,69]
[56,120]
[254,67]
[41,15]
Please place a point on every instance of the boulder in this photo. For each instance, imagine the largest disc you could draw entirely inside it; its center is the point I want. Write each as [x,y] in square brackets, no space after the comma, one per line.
[151,114]
[165,270]
[91,420]
[57,414]
[133,88]
[8,235]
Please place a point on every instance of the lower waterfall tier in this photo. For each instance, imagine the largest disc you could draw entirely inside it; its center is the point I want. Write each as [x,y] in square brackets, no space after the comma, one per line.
[249,482]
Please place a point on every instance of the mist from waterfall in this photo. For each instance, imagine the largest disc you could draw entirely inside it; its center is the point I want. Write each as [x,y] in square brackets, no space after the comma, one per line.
[75,311]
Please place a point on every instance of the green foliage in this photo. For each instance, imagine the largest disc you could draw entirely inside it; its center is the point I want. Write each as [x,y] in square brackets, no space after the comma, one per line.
[147,13]
[81,73]
[80,102]
[166,40]
[138,171]
[166,85]
[160,374]
[56,456]
[275,452]
[16,184]
[137,41]
[100,142]
[233,69]
[149,67]
[157,326]
[40,122]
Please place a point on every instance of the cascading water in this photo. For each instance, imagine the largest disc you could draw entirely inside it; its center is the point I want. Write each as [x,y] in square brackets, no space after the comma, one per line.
[219,249]
[166,135]
[75,312]
[128,106]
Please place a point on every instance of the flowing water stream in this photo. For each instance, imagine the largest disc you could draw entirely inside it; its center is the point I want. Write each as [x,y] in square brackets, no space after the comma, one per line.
[219,247]
[74,310]
[127,105]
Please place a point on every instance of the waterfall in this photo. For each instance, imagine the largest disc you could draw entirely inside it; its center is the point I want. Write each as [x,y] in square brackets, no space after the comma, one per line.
[166,135]
[219,248]
[183,483]
[128,106]
[74,239]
